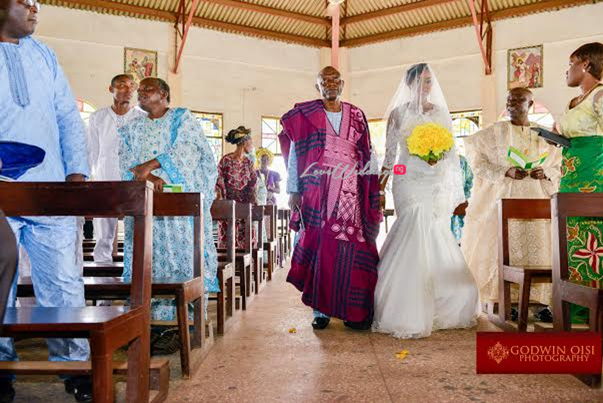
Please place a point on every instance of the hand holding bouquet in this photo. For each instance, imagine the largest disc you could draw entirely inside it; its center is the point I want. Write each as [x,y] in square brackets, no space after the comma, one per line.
[429,142]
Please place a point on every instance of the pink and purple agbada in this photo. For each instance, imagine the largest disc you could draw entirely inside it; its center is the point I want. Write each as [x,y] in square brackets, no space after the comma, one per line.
[335,261]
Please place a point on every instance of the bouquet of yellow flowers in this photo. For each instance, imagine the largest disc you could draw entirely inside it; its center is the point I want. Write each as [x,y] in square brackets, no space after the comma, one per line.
[429,142]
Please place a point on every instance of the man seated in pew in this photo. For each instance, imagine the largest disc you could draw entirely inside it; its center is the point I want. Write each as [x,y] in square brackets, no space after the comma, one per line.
[497,178]
[103,143]
[167,146]
[37,107]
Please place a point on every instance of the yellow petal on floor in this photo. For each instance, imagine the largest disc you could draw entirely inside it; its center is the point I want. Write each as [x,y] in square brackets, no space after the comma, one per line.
[402,354]
[293,330]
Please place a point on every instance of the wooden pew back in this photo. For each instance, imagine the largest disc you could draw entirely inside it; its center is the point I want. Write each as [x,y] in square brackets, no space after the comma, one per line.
[93,199]
[527,209]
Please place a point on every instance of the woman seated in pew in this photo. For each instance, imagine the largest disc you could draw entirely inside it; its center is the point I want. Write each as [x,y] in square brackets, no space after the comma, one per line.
[237,180]
[582,167]
[168,147]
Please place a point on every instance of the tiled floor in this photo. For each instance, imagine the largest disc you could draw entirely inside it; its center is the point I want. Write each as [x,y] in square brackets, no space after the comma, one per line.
[260,360]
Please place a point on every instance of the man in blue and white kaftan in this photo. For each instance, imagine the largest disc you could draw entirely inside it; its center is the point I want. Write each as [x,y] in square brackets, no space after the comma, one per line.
[38,108]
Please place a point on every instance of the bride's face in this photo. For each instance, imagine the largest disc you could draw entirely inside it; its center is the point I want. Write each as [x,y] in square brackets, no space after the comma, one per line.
[425,84]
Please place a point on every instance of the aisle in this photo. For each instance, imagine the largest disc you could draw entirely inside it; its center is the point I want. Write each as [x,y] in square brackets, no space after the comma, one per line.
[260,360]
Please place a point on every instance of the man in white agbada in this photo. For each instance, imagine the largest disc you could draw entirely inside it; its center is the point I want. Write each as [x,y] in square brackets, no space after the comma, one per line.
[495,179]
[103,145]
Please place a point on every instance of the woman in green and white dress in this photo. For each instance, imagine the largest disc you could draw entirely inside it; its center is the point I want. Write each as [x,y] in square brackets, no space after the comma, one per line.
[582,167]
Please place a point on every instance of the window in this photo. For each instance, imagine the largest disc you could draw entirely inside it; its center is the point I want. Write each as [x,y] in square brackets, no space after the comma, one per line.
[538,114]
[212,124]
[271,128]
[86,109]
[464,124]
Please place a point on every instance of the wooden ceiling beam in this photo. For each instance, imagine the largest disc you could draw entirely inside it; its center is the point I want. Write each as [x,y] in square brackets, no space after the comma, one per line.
[464,21]
[98,5]
[304,40]
[140,11]
[271,11]
[393,10]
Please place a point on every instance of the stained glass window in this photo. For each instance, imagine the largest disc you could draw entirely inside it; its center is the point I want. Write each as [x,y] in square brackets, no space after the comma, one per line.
[212,124]
[86,109]
[538,114]
[464,124]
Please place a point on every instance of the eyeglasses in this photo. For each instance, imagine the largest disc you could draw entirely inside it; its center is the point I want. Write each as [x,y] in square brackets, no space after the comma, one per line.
[31,3]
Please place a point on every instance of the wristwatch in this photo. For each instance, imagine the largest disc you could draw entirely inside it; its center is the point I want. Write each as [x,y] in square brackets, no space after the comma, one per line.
[382,193]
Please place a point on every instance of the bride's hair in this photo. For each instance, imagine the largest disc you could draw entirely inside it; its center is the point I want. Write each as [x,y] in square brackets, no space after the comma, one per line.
[414,73]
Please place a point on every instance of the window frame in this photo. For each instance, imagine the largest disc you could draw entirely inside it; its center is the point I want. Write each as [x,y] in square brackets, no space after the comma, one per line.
[196,113]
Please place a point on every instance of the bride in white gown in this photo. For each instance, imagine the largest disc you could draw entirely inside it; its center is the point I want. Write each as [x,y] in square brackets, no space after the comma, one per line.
[424,282]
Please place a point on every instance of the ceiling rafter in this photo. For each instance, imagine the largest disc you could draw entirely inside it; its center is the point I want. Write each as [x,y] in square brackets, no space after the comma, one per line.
[271,10]
[404,8]
[517,11]
[198,21]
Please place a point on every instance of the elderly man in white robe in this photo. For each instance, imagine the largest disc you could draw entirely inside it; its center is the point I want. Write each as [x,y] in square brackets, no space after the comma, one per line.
[496,178]
[103,146]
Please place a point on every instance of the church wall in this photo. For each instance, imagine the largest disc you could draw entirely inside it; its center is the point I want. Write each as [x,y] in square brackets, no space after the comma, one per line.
[241,77]
[376,70]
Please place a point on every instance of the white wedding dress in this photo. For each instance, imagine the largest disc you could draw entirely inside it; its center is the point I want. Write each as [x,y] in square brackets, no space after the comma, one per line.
[424,282]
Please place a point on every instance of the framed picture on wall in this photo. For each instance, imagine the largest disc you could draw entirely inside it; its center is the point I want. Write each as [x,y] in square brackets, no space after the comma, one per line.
[140,63]
[525,67]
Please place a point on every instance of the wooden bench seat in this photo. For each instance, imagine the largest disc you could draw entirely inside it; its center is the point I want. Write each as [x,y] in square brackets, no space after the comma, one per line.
[92,269]
[159,372]
[107,328]
[184,289]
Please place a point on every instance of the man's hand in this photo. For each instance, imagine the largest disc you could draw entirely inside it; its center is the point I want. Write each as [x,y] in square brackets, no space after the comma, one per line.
[516,173]
[294,201]
[75,178]
[432,162]
[382,202]
[157,183]
[538,173]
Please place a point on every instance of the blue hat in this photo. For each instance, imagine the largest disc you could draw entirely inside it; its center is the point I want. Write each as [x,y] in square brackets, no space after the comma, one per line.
[18,158]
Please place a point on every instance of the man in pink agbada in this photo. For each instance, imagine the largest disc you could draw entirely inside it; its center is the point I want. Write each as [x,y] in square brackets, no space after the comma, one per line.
[335,205]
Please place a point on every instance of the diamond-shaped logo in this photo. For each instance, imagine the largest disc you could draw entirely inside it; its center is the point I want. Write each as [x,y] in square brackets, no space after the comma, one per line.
[498,352]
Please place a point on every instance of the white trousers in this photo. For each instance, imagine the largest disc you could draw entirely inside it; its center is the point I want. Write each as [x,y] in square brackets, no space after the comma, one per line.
[104,233]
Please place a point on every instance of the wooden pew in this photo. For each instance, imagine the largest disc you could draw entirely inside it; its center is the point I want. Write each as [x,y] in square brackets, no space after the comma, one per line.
[107,328]
[92,269]
[185,290]
[566,292]
[257,254]
[270,246]
[224,210]
[524,276]
[243,257]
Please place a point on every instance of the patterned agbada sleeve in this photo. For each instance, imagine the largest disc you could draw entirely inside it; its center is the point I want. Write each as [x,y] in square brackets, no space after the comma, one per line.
[552,169]
[480,148]
[127,151]
[72,132]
